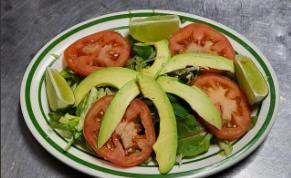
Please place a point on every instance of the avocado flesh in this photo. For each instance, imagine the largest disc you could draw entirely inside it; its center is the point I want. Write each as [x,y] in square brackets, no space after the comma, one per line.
[195,97]
[111,76]
[202,60]
[167,141]
[163,55]
[115,111]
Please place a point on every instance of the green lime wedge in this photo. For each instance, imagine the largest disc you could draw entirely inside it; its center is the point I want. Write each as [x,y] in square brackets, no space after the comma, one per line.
[59,93]
[250,79]
[155,28]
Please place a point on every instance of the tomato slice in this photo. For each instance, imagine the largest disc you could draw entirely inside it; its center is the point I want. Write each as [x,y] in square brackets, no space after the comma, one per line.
[103,49]
[198,37]
[231,103]
[132,141]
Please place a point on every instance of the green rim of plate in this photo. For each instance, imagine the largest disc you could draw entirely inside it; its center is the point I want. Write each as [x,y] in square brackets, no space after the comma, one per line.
[146,14]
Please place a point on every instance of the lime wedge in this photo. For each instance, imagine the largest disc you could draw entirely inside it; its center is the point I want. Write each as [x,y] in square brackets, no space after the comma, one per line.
[250,79]
[155,28]
[59,93]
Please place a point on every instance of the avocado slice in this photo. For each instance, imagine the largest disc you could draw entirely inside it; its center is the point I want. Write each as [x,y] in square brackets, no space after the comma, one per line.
[111,76]
[163,55]
[202,60]
[196,98]
[167,141]
[116,110]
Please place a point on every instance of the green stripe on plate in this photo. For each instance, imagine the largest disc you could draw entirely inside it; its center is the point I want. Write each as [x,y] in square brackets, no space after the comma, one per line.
[106,170]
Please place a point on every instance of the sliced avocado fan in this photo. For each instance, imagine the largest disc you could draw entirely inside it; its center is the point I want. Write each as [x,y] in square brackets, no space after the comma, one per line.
[130,84]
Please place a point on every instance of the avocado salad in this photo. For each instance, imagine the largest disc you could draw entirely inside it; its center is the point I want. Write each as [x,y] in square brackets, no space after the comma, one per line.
[157,95]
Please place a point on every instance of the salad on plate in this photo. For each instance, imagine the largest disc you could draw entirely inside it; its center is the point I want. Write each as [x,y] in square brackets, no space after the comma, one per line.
[160,94]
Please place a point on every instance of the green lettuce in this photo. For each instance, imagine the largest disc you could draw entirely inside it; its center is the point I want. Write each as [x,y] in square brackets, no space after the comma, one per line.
[225,147]
[72,78]
[142,56]
[193,145]
[69,121]
[192,137]
[67,124]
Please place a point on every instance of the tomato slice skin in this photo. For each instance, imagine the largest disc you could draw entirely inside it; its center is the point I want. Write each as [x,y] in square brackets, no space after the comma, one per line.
[198,37]
[114,150]
[230,101]
[102,49]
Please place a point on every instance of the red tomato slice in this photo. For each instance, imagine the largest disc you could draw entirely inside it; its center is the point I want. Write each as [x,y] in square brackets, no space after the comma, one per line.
[200,38]
[132,141]
[230,101]
[102,49]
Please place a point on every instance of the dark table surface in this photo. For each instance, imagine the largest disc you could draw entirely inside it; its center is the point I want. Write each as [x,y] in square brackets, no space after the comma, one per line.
[27,25]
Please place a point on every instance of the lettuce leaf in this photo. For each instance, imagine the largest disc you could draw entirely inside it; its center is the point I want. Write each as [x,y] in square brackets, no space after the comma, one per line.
[186,75]
[225,146]
[145,52]
[193,145]
[72,78]
[192,137]
[67,122]
[142,56]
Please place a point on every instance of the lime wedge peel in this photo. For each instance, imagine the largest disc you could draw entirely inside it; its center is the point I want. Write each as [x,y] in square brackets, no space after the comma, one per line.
[155,28]
[59,93]
[250,79]
[155,19]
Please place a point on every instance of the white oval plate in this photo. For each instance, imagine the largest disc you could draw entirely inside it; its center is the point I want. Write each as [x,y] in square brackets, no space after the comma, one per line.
[35,108]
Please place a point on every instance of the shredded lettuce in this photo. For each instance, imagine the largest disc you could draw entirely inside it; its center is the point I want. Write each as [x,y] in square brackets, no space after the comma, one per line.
[85,105]
[143,56]
[56,115]
[145,52]
[225,146]
[70,121]
[179,159]
[137,63]
[76,136]
[67,122]
[186,75]
[56,56]
[72,78]
[253,121]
